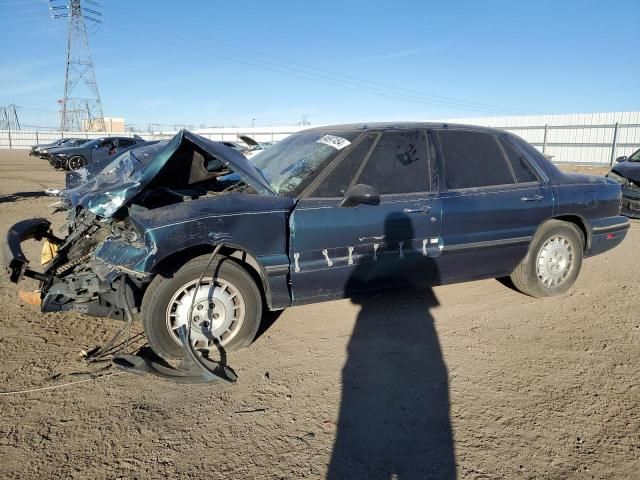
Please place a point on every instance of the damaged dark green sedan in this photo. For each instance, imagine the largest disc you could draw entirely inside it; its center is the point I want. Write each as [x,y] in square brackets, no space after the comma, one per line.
[325,213]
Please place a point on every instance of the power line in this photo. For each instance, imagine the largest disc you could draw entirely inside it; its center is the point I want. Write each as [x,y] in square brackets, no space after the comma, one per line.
[14,20]
[315,74]
[31,109]
[270,66]
[18,3]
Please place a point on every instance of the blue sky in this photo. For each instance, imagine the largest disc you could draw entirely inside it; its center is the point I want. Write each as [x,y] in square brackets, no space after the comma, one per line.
[221,63]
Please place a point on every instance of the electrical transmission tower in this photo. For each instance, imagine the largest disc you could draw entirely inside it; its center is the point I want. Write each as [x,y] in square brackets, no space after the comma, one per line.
[80,109]
[9,118]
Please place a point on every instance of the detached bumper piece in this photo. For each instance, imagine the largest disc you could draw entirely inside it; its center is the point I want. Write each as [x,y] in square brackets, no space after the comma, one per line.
[193,368]
[15,262]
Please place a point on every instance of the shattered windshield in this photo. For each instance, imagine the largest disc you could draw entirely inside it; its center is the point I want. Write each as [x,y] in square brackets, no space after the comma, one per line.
[291,164]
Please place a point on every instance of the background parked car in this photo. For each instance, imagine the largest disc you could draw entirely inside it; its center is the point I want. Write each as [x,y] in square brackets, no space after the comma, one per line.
[36,149]
[627,173]
[45,153]
[254,147]
[73,178]
[73,158]
[237,146]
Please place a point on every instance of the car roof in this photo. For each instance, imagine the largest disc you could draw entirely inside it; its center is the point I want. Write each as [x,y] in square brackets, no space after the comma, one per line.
[402,126]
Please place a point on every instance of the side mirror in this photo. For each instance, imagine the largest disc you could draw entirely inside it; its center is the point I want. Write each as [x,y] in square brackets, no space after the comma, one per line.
[360,194]
[621,159]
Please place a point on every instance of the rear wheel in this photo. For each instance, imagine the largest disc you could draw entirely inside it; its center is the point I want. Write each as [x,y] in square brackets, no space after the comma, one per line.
[226,312]
[553,261]
[76,162]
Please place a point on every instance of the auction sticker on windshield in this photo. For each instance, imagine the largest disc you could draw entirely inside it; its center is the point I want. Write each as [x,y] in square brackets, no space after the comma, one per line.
[336,142]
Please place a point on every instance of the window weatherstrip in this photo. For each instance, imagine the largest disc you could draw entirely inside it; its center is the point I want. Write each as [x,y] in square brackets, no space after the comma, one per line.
[542,176]
[506,158]
[526,159]
[356,177]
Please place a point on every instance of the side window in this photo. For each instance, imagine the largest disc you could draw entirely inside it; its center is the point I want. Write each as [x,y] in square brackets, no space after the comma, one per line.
[398,164]
[125,142]
[337,182]
[521,167]
[473,159]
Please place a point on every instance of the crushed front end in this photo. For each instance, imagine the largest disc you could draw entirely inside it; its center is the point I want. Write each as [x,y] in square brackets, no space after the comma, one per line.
[630,194]
[100,261]
[71,276]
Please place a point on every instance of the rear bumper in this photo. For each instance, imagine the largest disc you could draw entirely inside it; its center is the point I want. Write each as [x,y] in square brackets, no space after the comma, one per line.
[607,233]
[15,262]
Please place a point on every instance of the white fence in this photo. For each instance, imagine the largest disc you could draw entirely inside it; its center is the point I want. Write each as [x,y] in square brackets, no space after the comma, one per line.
[584,138]
[24,139]
[593,139]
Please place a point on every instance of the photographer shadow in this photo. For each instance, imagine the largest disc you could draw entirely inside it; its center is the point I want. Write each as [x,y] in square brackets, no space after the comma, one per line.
[394,413]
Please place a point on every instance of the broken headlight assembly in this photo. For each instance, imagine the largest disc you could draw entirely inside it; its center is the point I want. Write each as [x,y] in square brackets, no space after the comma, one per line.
[619,178]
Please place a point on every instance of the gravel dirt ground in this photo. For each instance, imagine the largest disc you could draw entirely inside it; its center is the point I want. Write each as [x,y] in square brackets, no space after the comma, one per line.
[470,381]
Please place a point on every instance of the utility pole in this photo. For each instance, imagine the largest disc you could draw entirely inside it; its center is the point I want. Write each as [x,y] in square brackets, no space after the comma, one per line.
[80,109]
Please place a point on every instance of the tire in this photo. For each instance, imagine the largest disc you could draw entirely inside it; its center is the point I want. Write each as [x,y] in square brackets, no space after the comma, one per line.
[553,261]
[162,307]
[76,162]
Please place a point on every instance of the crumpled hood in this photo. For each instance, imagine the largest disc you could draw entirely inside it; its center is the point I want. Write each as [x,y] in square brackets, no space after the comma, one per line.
[627,169]
[126,176]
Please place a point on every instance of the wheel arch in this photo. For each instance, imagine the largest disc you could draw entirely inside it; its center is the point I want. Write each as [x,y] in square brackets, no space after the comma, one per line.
[574,219]
[579,222]
[235,252]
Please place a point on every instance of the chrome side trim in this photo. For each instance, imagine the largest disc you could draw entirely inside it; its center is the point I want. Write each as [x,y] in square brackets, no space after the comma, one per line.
[487,244]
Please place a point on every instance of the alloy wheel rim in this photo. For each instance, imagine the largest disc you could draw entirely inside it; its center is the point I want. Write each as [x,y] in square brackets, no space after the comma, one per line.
[217,316]
[555,261]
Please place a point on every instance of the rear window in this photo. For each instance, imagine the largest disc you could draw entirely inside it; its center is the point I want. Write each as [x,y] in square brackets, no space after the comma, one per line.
[473,160]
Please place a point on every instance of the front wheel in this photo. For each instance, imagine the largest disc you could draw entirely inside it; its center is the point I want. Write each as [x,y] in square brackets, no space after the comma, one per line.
[226,312]
[76,162]
[553,261]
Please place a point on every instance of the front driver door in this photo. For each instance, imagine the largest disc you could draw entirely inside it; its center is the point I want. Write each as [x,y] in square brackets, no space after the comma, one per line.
[337,251]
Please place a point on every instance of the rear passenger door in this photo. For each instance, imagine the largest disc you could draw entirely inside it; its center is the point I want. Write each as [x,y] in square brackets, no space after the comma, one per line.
[493,200]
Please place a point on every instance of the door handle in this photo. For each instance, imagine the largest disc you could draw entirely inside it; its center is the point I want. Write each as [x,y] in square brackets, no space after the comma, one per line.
[424,209]
[535,198]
